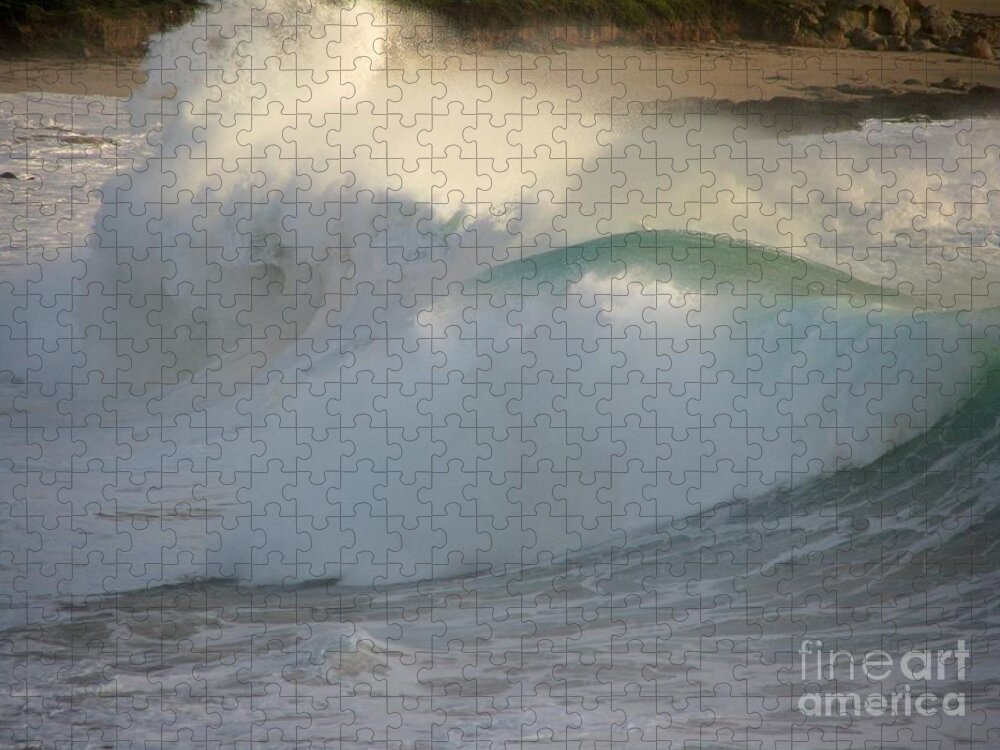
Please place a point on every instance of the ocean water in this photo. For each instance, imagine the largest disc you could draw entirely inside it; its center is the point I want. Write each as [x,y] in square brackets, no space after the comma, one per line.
[360,393]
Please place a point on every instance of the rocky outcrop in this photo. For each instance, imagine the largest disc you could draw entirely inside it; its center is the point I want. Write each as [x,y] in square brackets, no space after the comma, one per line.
[863,38]
[886,18]
[890,25]
[939,25]
[893,25]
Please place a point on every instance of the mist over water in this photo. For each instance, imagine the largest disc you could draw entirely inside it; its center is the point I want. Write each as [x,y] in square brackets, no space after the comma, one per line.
[415,369]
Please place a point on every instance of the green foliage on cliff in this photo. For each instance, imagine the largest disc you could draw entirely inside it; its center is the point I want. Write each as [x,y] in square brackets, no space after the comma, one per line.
[79,26]
[474,13]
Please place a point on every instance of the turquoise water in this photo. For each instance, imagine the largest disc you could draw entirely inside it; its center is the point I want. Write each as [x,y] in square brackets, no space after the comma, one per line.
[684,263]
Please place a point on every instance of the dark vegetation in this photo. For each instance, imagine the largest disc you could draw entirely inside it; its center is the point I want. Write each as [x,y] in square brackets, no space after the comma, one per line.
[85,27]
[623,12]
[649,21]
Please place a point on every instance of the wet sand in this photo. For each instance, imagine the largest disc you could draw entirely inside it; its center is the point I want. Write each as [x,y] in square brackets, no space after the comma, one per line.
[111,77]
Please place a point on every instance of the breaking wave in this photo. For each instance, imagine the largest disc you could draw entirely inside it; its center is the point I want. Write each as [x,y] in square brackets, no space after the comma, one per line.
[361,312]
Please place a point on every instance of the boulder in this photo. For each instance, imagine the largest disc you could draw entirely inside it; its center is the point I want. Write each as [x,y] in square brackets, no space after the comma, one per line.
[886,17]
[939,25]
[867,39]
[836,38]
[847,20]
[897,43]
[950,83]
[978,46]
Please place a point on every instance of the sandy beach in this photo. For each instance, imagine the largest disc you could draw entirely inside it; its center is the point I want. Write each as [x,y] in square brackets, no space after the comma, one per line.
[115,77]
[736,72]
[733,71]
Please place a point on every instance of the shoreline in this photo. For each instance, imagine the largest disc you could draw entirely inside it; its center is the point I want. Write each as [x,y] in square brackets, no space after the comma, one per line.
[801,83]
[113,76]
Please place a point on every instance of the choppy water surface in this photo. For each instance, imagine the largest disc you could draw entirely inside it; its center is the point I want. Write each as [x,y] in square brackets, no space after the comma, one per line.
[360,398]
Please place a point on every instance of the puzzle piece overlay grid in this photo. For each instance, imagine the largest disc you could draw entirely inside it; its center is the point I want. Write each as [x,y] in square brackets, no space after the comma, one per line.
[314,431]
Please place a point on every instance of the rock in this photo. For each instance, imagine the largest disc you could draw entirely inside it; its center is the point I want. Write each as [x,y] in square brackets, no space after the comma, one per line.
[978,46]
[847,20]
[939,25]
[873,24]
[8,176]
[808,39]
[886,17]
[834,38]
[950,83]
[923,45]
[912,82]
[867,39]
[853,89]
[810,20]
